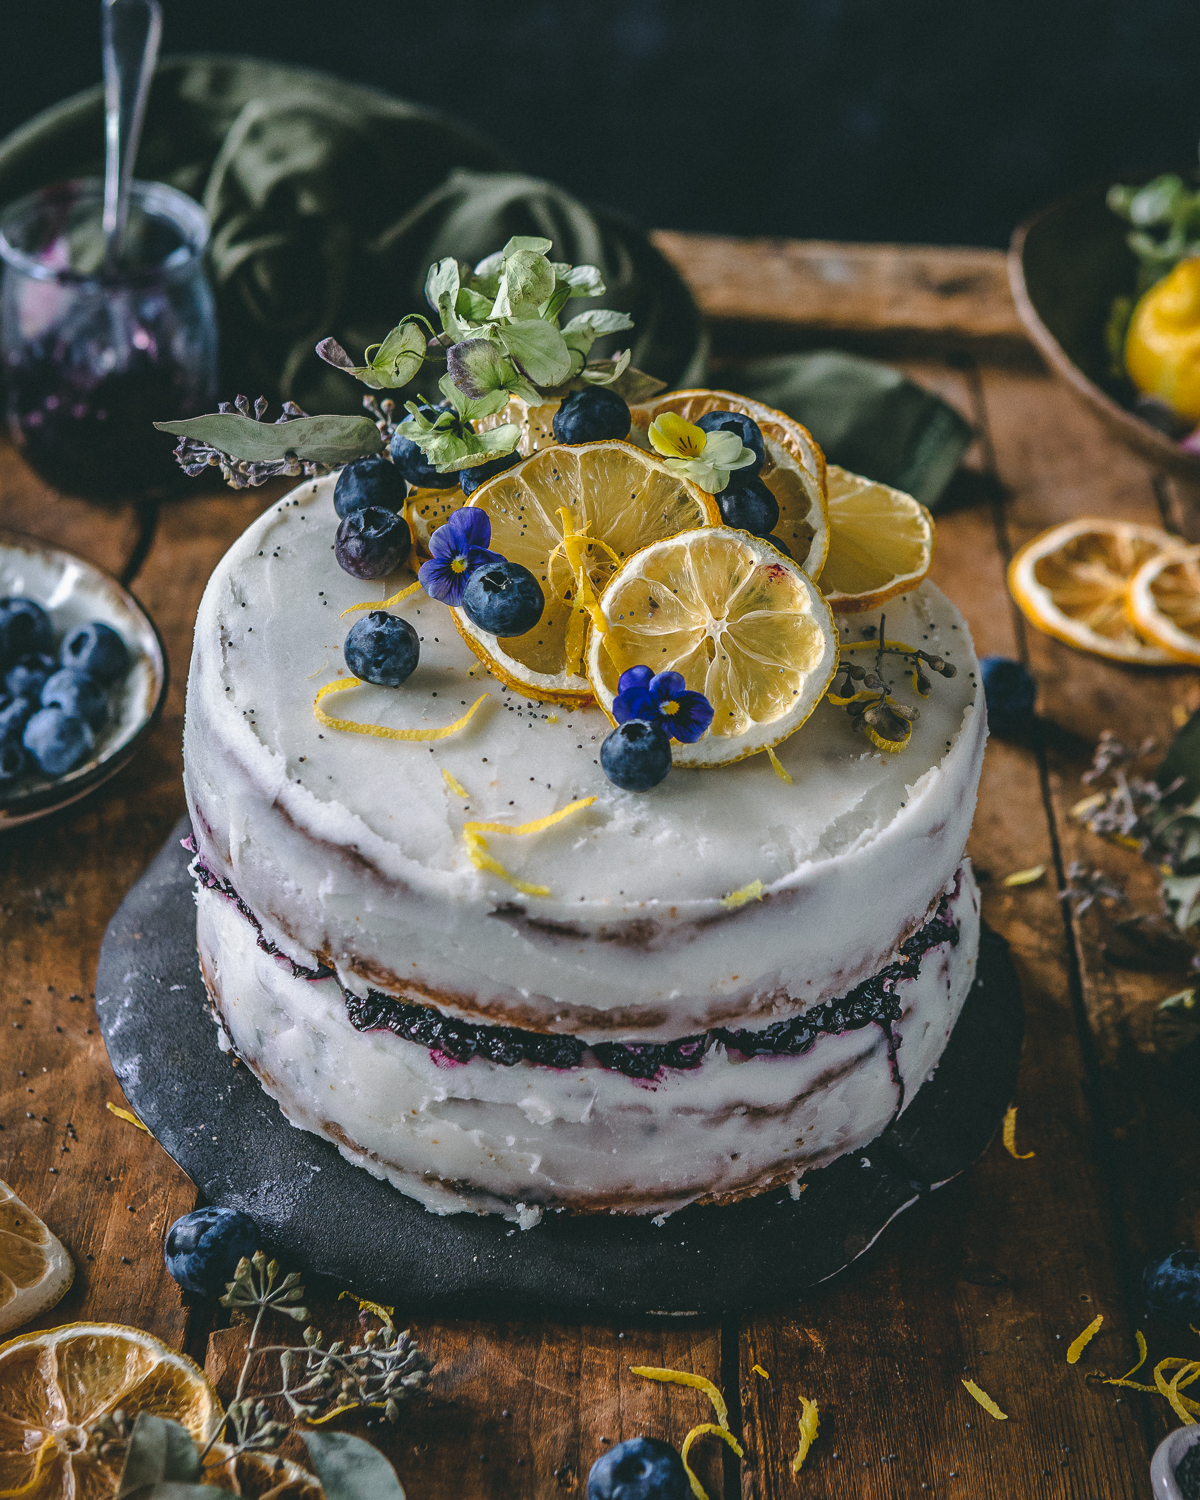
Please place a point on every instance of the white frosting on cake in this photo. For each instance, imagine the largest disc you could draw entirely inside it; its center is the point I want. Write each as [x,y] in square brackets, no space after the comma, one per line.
[352,848]
[485,1137]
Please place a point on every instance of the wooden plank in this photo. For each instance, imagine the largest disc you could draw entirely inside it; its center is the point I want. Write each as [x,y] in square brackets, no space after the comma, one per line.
[105,535]
[898,296]
[992,1278]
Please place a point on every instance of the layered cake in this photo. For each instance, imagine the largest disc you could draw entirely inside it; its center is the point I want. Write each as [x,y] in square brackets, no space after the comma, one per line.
[687,995]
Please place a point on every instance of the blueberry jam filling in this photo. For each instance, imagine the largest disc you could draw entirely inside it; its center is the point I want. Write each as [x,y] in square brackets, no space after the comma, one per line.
[874,1002]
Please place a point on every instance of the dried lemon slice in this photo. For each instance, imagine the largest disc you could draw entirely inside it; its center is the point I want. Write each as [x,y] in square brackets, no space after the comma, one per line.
[572,515]
[743,625]
[794,471]
[1072,580]
[1163,603]
[880,543]
[426,510]
[35,1269]
[54,1385]
[258,1476]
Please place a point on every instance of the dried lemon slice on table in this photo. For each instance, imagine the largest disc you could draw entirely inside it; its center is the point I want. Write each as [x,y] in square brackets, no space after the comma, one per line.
[880,543]
[1163,603]
[35,1269]
[56,1384]
[794,471]
[1072,580]
[572,515]
[742,624]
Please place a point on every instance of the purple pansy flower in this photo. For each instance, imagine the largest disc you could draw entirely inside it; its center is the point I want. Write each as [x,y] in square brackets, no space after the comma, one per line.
[663,700]
[458,548]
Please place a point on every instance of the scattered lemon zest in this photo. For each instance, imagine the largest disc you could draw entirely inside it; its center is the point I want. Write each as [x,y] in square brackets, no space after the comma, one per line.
[1025,877]
[337,1412]
[685,1377]
[572,545]
[985,1401]
[1089,804]
[477,849]
[1186,1371]
[384,1314]
[1010,1136]
[809,1422]
[318,672]
[382,603]
[752,892]
[1142,1352]
[777,766]
[454,784]
[127,1114]
[699,1431]
[758,1370]
[893,747]
[874,646]
[1084,1339]
[551,718]
[351,726]
[859,697]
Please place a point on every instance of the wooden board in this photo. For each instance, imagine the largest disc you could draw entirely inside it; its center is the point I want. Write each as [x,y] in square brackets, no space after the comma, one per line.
[990,1282]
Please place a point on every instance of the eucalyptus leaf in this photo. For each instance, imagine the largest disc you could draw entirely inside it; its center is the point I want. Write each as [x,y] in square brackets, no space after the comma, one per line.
[538,349]
[322,440]
[527,282]
[159,1450]
[350,1469]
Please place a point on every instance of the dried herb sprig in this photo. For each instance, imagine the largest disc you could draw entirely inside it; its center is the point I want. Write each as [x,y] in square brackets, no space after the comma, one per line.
[867,698]
[193,455]
[1085,886]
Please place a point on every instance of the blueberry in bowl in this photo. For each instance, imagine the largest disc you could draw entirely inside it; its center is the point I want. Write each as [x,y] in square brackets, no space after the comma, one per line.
[57,741]
[96,649]
[77,693]
[24,627]
[28,674]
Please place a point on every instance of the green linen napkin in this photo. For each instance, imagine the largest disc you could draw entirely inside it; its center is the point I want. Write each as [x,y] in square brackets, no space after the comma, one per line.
[329,200]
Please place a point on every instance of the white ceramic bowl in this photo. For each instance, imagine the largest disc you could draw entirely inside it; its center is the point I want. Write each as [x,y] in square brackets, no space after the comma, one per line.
[73,592]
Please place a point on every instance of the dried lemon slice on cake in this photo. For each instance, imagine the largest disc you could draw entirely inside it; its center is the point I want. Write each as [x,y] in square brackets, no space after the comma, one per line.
[54,1385]
[794,471]
[1163,603]
[1072,580]
[880,543]
[742,624]
[35,1269]
[572,515]
[426,510]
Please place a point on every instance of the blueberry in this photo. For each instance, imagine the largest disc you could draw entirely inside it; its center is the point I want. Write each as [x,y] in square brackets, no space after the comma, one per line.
[58,741]
[1171,1286]
[97,650]
[471,479]
[382,648]
[641,1469]
[77,693]
[780,544]
[27,675]
[369,481]
[747,429]
[750,507]
[372,542]
[1009,690]
[503,598]
[204,1247]
[15,713]
[24,627]
[412,464]
[636,755]
[13,760]
[590,416]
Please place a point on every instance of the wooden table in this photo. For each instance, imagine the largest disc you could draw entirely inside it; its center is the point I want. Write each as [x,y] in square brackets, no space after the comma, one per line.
[989,1280]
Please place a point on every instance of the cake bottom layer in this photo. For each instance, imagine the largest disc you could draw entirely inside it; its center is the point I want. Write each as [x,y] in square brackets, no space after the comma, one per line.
[484,1137]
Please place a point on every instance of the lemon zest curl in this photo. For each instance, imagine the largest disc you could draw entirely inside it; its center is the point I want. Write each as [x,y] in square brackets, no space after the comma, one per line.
[380,731]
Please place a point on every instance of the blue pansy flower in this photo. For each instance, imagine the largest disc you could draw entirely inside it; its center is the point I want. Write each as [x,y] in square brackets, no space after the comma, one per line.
[458,548]
[663,700]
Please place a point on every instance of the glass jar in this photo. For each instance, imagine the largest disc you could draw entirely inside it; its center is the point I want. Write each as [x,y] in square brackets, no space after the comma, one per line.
[93,354]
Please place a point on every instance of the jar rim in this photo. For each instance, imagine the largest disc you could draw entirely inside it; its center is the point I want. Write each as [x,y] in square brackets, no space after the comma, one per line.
[158,199]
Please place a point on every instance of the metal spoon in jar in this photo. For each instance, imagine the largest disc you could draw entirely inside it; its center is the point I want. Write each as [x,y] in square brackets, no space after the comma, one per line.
[132,30]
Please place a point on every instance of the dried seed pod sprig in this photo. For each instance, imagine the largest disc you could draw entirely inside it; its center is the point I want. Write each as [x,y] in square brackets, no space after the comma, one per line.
[866,696]
[1087,886]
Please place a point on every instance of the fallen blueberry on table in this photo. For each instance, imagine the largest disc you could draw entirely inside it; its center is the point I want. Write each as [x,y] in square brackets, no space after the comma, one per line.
[369,481]
[641,1469]
[382,649]
[636,755]
[203,1248]
[372,542]
[96,649]
[503,598]
[1171,1286]
[1010,691]
[58,741]
[591,416]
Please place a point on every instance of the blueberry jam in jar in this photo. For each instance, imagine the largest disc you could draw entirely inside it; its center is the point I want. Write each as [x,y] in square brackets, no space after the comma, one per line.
[94,352]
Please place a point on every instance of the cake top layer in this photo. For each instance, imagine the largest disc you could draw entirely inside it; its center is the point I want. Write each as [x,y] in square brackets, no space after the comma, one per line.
[701,837]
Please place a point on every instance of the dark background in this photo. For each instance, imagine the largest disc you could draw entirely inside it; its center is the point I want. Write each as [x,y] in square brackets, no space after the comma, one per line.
[937,120]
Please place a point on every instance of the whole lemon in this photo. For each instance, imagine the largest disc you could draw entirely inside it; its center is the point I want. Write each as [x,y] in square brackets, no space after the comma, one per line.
[1162,346]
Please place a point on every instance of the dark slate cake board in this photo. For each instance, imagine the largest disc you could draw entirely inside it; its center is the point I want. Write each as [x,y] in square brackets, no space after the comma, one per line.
[332,1219]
